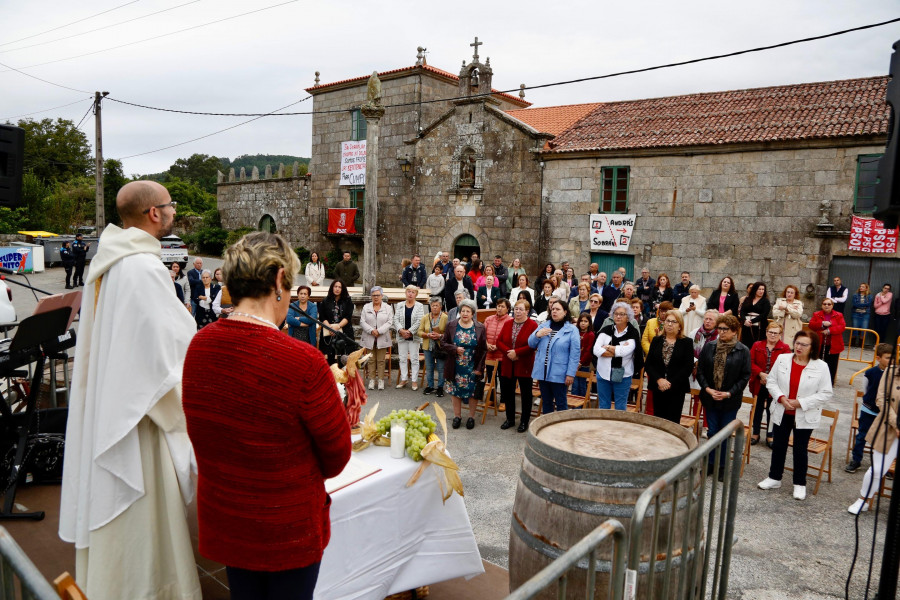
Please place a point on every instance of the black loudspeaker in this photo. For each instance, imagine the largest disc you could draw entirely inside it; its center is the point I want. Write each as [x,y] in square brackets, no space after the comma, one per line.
[887,190]
[12,157]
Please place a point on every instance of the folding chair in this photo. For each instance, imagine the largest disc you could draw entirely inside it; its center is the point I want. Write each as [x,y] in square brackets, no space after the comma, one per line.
[636,393]
[691,419]
[823,447]
[484,404]
[577,400]
[854,426]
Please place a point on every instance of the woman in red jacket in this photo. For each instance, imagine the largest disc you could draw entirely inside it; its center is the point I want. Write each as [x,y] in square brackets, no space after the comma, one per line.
[518,360]
[830,325]
[762,357]
[266,434]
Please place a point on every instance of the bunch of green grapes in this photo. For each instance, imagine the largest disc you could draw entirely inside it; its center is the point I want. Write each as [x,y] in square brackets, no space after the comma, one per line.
[418,427]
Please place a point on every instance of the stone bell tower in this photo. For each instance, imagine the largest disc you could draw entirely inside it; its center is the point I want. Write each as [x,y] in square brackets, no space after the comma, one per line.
[475,77]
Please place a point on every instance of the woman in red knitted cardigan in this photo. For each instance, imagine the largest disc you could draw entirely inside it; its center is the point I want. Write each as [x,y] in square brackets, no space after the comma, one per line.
[268,428]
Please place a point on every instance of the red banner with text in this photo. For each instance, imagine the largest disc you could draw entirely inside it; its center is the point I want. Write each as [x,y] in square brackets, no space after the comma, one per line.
[870,235]
[341,220]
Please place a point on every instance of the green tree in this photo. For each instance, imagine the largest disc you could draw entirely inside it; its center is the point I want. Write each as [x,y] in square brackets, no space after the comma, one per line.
[34,192]
[70,203]
[201,169]
[113,180]
[56,150]
[191,198]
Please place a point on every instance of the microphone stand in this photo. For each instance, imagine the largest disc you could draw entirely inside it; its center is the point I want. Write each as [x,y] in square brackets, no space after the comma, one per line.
[343,338]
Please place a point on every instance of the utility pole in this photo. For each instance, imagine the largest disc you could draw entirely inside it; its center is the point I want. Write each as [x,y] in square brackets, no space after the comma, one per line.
[100,217]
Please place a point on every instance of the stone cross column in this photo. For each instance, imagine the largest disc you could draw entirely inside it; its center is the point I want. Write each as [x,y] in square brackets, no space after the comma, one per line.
[373,111]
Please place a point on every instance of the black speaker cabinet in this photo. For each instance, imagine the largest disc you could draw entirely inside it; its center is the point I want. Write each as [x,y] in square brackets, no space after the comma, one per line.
[12,157]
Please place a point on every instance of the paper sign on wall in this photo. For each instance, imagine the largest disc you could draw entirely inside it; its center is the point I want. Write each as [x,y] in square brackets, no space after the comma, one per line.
[870,235]
[353,163]
[611,232]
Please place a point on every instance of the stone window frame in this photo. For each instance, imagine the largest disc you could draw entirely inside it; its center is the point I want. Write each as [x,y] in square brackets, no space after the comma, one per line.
[615,178]
[479,170]
[867,199]
[358,127]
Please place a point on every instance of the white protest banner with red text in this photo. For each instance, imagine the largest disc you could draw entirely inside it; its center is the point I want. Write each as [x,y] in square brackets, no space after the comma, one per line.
[353,163]
[870,235]
[341,220]
[610,231]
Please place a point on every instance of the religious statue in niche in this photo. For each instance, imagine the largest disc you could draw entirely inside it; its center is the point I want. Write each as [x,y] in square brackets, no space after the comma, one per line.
[467,169]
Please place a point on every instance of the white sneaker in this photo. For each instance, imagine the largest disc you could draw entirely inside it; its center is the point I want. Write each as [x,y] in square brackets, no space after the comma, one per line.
[769,484]
[381,384]
[371,384]
[860,506]
[799,492]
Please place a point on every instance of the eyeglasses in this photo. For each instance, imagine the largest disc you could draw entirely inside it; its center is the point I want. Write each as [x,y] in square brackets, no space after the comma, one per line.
[620,314]
[595,302]
[775,331]
[671,322]
[802,344]
[173,204]
[723,329]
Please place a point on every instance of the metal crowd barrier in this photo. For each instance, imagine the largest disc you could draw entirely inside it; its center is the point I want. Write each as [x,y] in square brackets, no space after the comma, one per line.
[684,509]
[557,571]
[688,481]
[16,567]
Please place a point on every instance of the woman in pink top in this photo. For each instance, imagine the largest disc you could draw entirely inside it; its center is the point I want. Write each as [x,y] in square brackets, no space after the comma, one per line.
[882,306]
[492,326]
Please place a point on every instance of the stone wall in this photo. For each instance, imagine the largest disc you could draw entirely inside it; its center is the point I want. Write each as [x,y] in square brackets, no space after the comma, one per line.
[286,200]
[502,211]
[751,215]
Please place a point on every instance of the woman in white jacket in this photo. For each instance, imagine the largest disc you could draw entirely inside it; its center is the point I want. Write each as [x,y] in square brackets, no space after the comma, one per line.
[788,312]
[800,386]
[376,320]
[407,318]
[693,307]
[315,270]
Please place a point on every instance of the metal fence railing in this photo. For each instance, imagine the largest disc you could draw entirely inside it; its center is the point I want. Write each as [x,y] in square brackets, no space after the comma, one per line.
[19,578]
[677,500]
[585,551]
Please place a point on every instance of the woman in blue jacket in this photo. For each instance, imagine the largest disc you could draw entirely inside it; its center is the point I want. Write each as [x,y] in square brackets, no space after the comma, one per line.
[557,352]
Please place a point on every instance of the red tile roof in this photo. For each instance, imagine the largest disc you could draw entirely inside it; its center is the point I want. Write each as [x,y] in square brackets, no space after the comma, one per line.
[832,109]
[427,68]
[553,119]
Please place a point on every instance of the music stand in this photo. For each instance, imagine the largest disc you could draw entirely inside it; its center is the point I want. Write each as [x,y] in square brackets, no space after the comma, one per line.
[25,348]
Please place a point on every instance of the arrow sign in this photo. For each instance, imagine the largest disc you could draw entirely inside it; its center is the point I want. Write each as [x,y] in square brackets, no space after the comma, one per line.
[611,232]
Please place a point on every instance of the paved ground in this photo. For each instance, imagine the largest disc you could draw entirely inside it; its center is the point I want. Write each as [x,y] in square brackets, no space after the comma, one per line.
[786,549]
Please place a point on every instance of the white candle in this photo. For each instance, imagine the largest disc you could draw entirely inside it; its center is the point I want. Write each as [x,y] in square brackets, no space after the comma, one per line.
[398,438]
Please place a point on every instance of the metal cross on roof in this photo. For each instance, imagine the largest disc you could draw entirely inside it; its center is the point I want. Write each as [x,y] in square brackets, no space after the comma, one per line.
[475,45]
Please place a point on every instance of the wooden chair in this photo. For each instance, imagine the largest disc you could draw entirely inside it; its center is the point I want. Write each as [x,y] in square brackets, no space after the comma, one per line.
[484,404]
[577,400]
[748,429]
[691,420]
[823,447]
[636,393]
[854,426]
[67,588]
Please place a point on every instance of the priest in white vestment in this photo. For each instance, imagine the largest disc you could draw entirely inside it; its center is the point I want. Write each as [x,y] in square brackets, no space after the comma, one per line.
[128,461]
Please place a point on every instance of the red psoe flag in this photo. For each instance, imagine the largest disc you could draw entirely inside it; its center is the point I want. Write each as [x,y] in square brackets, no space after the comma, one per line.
[341,220]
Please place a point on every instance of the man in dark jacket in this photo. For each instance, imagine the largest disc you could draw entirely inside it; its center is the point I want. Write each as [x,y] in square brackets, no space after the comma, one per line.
[644,289]
[501,275]
[68,261]
[459,280]
[346,271]
[194,281]
[681,289]
[79,250]
[414,273]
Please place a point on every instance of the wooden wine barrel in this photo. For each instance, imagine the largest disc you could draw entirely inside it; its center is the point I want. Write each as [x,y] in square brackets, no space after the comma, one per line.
[582,467]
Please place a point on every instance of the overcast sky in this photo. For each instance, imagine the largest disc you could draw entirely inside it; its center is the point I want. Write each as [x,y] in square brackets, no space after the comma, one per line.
[262,61]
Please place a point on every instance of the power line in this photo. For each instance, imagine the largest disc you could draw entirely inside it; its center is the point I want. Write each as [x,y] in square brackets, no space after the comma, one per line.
[28,37]
[216,132]
[44,110]
[533,87]
[59,85]
[100,28]
[85,115]
[156,37]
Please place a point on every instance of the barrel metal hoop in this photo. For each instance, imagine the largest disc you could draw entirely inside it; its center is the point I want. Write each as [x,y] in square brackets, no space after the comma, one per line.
[592,507]
[603,566]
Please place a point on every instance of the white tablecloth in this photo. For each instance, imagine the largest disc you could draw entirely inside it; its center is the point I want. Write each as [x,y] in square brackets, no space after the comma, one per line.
[387,538]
